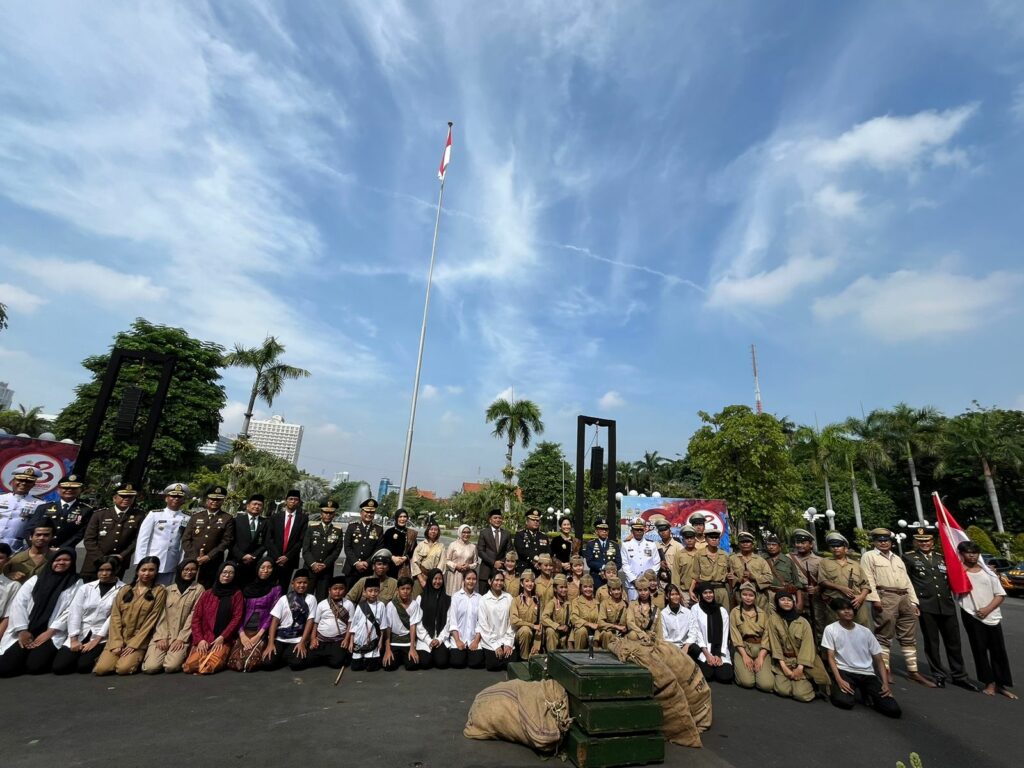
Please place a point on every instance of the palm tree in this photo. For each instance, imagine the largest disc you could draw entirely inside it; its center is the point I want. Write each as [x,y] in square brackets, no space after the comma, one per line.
[624,473]
[3,316]
[649,466]
[848,452]
[271,375]
[870,434]
[515,420]
[986,436]
[907,429]
[822,449]
[24,421]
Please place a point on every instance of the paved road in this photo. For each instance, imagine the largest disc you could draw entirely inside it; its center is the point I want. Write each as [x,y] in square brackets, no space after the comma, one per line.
[404,720]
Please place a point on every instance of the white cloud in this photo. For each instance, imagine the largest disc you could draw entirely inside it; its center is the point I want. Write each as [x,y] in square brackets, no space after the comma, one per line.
[328,429]
[18,299]
[909,305]
[90,280]
[771,287]
[611,400]
[429,392]
[888,142]
[836,202]
[453,389]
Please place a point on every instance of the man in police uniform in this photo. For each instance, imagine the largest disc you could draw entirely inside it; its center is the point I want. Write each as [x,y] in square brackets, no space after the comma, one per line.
[17,507]
[362,539]
[785,576]
[530,542]
[68,516]
[112,531]
[208,535]
[321,548]
[638,555]
[927,571]
[601,551]
[161,531]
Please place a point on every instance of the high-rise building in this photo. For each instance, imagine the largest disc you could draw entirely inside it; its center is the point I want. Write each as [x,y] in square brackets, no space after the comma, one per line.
[217,447]
[6,396]
[276,436]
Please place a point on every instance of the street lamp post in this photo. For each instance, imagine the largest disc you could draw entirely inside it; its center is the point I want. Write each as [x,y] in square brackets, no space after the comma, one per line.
[811,515]
[899,541]
[831,515]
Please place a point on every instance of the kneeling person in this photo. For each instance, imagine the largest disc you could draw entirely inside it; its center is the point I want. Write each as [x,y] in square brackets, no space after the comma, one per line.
[404,615]
[291,626]
[368,630]
[855,659]
[330,626]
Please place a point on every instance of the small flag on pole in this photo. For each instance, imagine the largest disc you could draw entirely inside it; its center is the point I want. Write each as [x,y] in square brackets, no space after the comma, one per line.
[951,535]
[447,156]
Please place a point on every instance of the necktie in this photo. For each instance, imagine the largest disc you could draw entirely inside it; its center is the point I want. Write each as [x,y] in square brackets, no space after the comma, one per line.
[252,526]
[287,529]
[65,507]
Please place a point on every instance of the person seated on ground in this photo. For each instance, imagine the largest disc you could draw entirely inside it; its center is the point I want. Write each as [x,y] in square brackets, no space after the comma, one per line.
[511,580]
[463,639]
[609,572]
[613,612]
[291,625]
[38,617]
[525,616]
[555,616]
[710,646]
[8,587]
[170,644]
[133,617]
[428,555]
[260,596]
[403,615]
[643,620]
[27,563]
[215,621]
[330,627]
[89,620]
[791,643]
[657,593]
[577,568]
[545,578]
[368,629]
[676,620]
[855,660]
[432,630]
[748,631]
[494,624]
[379,564]
[585,615]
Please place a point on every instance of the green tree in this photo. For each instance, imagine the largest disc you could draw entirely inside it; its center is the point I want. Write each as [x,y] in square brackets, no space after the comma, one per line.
[191,414]
[344,493]
[22,421]
[540,477]
[258,472]
[472,508]
[981,538]
[820,449]
[517,421]
[877,509]
[648,468]
[742,458]
[271,374]
[908,430]
[869,433]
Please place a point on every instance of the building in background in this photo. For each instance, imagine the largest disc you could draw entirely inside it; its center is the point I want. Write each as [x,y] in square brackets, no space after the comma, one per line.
[217,447]
[276,436]
[384,487]
[6,396]
[340,477]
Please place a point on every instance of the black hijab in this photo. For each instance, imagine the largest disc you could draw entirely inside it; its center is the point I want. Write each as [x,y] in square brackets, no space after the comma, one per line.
[713,610]
[225,602]
[48,589]
[179,580]
[788,616]
[260,587]
[435,603]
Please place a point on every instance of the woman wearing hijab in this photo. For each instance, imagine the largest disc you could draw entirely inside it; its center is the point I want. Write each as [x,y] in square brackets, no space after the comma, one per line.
[460,559]
[169,647]
[748,631]
[38,619]
[525,616]
[710,648]
[791,642]
[400,541]
[432,631]
[260,595]
[215,622]
[89,620]
[428,555]
[133,618]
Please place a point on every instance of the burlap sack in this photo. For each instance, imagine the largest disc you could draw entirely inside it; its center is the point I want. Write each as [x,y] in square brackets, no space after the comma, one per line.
[532,713]
[690,679]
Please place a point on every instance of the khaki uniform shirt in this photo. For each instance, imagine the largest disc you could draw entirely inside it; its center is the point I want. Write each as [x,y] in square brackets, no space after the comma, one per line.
[671,553]
[759,571]
[524,613]
[388,590]
[644,620]
[684,568]
[552,616]
[582,611]
[133,623]
[612,613]
[745,628]
[23,566]
[846,574]
[711,567]
[176,621]
[885,571]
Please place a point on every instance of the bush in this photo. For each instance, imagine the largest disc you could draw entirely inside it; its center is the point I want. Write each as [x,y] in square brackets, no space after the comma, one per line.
[981,538]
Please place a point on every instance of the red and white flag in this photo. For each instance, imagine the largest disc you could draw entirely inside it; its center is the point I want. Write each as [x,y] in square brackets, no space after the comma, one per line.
[951,535]
[447,156]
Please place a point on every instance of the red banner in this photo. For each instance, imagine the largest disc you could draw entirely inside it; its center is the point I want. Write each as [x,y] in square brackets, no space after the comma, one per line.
[53,459]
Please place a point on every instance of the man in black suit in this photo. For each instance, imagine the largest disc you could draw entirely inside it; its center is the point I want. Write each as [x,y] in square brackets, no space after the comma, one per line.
[492,545]
[250,539]
[69,516]
[285,533]
[362,539]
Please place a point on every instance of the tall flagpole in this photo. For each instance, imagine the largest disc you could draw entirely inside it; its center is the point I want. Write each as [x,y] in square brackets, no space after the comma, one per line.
[423,327]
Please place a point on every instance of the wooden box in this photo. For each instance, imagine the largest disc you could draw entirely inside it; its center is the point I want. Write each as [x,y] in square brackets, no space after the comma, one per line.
[613,717]
[517,670]
[601,677]
[587,751]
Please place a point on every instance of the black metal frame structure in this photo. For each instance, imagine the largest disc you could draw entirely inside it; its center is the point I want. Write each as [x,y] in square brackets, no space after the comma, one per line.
[582,422]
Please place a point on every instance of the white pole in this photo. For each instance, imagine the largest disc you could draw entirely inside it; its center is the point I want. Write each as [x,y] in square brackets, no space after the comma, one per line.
[419,356]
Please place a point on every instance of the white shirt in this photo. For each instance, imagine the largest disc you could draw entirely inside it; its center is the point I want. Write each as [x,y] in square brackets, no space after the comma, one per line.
[326,624]
[397,627]
[984,588]
[462,616]
[678,628]
[15,510]
[700,634]
[854,648]
[639,556]
[362,628]
[160,536]
[423,638]
[8,589]
[283,614]
[21,609]
[493,622]
[90,612]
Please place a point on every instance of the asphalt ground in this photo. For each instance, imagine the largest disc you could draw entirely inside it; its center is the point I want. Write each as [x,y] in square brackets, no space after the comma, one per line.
[415,720]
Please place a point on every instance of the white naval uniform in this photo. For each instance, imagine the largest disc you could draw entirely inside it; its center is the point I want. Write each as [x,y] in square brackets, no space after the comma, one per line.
[638,557]
[160,536]
[21,609]
[15,511]
[89,615]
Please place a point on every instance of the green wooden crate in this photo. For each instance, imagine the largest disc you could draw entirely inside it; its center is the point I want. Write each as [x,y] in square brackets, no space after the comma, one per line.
[601,677]
[539,667]
[606,717]
[517,670]
[606,751]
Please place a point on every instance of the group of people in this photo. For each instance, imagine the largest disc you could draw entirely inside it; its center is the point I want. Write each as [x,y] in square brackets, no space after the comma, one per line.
[211,591]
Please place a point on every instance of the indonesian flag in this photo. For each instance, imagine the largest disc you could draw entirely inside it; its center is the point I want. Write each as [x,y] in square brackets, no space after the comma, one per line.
[951,535]
[447,156]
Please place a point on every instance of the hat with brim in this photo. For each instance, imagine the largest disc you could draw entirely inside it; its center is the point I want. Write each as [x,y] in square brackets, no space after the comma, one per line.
[697,518]
[27,474]
[922,534]
[801,534]
[329,506]
[601,524]
[381,556]
[713,534]
[71,481]
[746,536]
[880,533]
[127,491]
[836,540]
[217,492]
[177,490]
[370,505]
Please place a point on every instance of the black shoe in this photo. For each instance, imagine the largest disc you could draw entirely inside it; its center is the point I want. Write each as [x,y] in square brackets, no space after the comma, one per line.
[967,684]
[940,682]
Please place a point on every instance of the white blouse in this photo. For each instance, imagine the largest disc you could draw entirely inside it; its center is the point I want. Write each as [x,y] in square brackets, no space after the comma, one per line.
[494,624]
[700,624]
[396,625]
[21,609]
[678,628]
[462,616]
[90,612]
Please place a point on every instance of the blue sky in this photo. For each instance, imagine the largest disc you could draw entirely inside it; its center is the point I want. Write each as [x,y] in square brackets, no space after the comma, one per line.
[638,192]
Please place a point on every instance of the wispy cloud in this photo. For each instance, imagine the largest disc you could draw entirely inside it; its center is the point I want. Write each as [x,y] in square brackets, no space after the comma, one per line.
[771,287]
[611,400]
[18,299]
